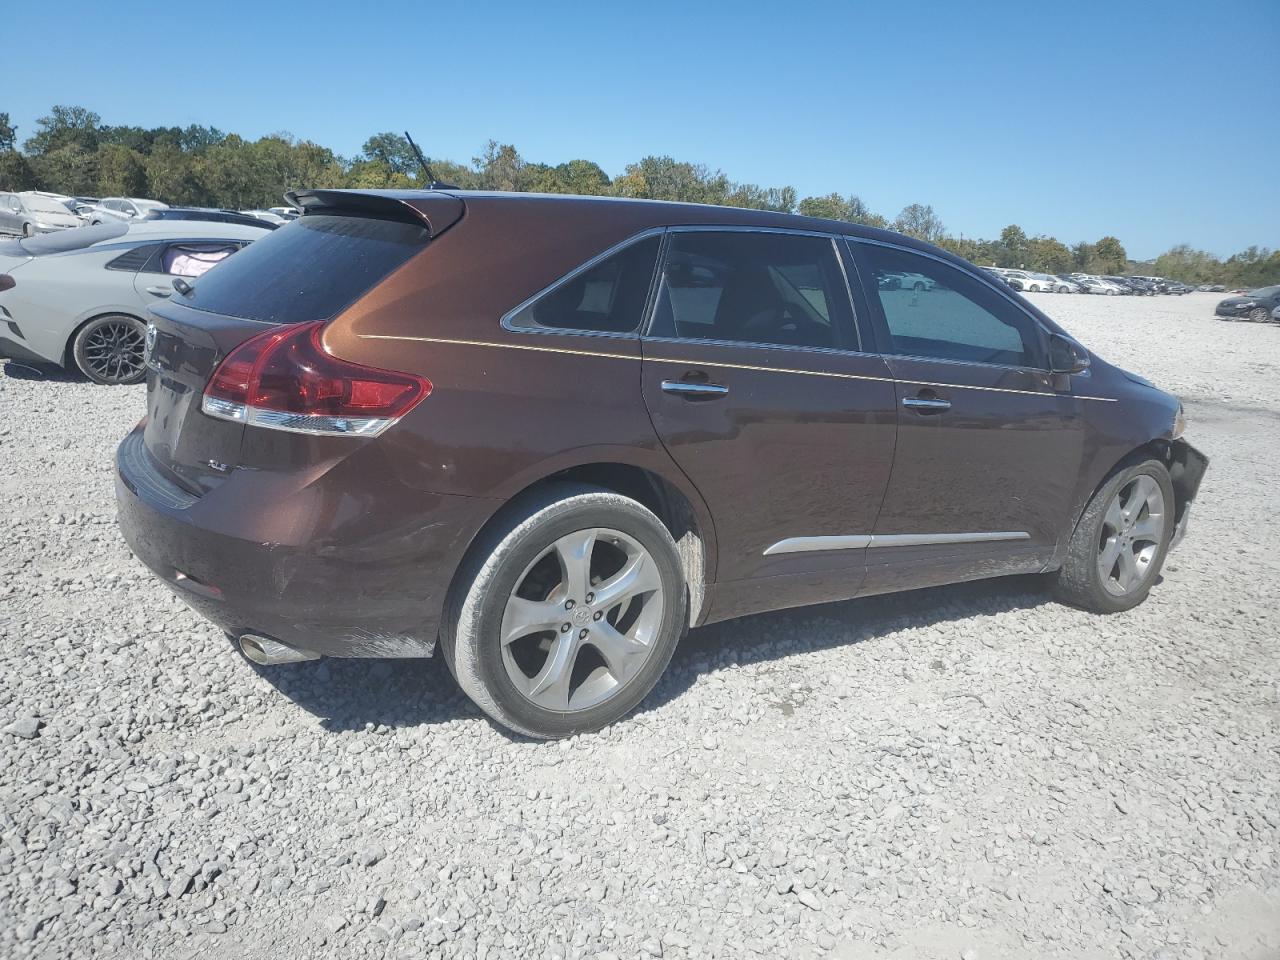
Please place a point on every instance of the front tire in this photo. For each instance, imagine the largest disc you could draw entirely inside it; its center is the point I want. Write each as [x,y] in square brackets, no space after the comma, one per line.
[111,349]
[564,621]
[1120,543]
[1259,315]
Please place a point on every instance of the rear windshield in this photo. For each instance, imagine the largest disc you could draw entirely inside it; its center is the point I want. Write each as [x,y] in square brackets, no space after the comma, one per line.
[308,270]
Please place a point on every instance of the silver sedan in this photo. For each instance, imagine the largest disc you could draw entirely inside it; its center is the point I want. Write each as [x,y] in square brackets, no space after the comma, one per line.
[79,297]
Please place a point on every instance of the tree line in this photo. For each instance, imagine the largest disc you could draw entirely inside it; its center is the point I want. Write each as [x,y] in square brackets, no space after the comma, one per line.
[73,152]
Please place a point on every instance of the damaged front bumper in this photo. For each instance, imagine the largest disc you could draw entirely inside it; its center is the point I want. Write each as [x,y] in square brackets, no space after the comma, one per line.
[1187,467]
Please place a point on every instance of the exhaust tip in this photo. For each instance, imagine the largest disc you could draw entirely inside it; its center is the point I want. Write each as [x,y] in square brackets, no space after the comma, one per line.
[267,652]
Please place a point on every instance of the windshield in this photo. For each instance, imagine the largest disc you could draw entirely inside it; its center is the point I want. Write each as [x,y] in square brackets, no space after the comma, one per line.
[76,239]
[1266,292]
[38,204]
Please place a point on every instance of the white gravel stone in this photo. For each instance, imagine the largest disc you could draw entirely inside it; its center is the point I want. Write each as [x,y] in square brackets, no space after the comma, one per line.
[968,771]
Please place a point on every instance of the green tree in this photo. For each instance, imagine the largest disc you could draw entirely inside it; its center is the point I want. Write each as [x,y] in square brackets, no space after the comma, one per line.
[500,167]
[65,127]
[16,172]
[1109,256]
[920,221]
[8,133]
[1082,256]
[1048,255]
[581,177]
[1014,242]
[122,172]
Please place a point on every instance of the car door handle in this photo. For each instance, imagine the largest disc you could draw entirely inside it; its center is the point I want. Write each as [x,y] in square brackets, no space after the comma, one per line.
[926,404]
[694,391]
[161,291]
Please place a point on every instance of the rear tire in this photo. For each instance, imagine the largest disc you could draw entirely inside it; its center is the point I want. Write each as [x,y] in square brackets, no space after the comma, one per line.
[1121,541]
[111,349]
[504,635]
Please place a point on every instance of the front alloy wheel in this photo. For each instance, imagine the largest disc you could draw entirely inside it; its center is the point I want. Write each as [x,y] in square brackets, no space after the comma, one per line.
[1130,537]
[1120,542]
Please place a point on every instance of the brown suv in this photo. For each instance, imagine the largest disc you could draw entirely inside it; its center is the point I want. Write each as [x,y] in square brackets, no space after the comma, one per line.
[551,433]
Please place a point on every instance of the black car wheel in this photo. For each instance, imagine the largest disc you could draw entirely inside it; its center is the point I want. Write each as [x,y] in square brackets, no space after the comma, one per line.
[111,349]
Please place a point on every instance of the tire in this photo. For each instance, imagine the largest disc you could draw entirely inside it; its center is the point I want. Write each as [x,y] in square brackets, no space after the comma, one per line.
[919,287]
[1259,314]
[1111,293]
[1107,521]
[110,349]
[520,577]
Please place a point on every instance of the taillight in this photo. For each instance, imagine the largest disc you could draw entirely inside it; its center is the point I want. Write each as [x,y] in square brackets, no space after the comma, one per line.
[284,380]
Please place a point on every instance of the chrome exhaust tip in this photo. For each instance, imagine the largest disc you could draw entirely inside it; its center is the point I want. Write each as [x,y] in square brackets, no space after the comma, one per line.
[267,652]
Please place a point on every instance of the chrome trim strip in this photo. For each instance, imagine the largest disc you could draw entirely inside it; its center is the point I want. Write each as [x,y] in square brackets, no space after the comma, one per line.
[694,389]
[722,365]
[808,544]
[857,542]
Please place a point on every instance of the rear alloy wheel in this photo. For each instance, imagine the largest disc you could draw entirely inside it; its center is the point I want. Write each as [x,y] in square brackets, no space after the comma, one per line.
[1259,315]
[1119,545]
[919,287]
[571,617]
[112,349]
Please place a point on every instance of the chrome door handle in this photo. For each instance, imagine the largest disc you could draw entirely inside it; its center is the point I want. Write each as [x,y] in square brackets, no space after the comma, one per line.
[925,405]
[161,291]
[694,391]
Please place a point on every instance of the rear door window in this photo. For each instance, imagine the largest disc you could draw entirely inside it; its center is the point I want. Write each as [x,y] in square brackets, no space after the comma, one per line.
[194,259]
[775,289]
[608,296]
[308,270]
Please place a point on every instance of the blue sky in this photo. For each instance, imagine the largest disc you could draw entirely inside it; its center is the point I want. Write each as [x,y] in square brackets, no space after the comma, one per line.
[1157,122]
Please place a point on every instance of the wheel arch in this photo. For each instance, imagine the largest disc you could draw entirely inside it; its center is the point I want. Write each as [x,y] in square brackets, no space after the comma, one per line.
[675,502]
[1185,464]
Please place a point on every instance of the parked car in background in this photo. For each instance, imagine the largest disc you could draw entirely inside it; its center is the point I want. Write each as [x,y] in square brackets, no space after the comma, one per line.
[995,274]
[79,298]
[1055,285]
[1216,288]
[266,216]
[1257,305]
[1073,285]
[27,213]
[1098,286]
[538,468]
[123,209]
[1180,288]
[287,213]
[210,214]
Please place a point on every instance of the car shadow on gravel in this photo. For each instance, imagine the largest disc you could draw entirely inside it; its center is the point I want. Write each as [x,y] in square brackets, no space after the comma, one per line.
[18,370]
[359,694]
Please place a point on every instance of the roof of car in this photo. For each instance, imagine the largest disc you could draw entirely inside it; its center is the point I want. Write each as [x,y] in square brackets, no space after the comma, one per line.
[193,229]
[644,213]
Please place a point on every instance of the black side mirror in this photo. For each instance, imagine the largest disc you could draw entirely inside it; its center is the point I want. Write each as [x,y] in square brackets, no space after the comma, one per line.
[1067,356]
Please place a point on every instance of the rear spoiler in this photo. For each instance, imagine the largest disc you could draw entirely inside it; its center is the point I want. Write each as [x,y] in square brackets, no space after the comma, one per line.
[434,210]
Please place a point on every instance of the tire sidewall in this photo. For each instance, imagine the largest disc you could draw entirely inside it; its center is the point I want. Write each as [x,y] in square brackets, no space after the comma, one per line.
[82,335]
[1090,528]
[475,653]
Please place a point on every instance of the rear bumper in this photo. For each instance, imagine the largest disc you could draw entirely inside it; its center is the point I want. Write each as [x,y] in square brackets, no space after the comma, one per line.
[299,560]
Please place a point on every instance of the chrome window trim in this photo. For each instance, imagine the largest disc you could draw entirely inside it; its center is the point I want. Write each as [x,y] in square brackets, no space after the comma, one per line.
[577,271]
[986,281]
[830,351]
[872,541]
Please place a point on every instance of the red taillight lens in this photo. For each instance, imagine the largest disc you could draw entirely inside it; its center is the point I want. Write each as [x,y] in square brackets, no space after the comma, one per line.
[285,380]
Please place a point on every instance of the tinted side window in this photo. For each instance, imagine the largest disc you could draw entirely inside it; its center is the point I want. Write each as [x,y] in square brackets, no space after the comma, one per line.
[951,316]
[766,288]
[608,297]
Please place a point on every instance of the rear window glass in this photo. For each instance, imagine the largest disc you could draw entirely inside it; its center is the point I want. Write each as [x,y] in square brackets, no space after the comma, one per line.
[308,270]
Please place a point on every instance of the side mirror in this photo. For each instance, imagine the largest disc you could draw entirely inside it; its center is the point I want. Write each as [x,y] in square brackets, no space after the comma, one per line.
[1067,356]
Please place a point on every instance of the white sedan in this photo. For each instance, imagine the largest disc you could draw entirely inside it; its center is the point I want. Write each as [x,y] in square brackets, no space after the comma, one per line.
[79,297]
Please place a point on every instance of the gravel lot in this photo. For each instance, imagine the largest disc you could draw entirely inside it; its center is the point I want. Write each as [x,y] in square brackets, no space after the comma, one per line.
[958,773]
